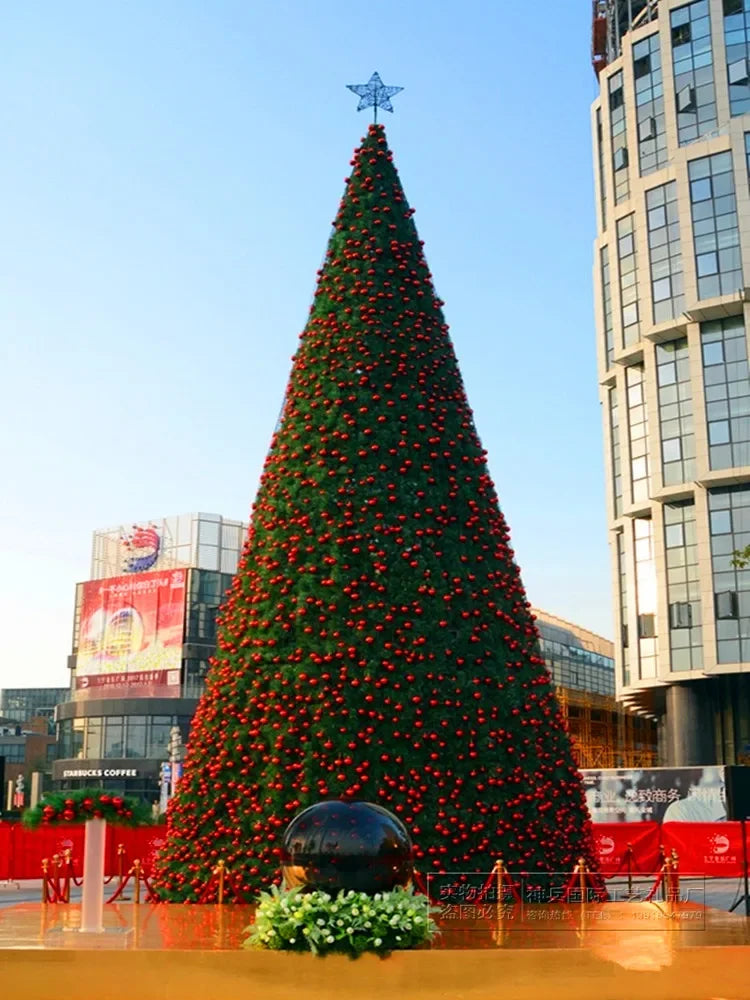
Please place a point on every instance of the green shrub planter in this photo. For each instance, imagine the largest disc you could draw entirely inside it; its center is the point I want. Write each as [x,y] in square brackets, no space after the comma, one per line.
[350,922]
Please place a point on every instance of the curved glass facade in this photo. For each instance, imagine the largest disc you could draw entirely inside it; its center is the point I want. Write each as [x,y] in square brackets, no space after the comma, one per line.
[116,735]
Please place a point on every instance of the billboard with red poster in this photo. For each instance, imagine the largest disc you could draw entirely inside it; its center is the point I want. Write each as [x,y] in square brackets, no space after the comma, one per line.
[130,640]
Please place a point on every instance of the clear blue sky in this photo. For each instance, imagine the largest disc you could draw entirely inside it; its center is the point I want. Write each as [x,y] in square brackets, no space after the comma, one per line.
[170,170]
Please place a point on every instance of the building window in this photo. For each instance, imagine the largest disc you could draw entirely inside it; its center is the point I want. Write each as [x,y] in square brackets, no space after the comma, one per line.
[640,477]
[609,337]
[114,738]
[572,664]
[618,137]
[627,264]
[600,158]
[92,746]
[649,100]
[737,48]
[645,586]
[693,71]
[665,255]
[747,154]
[14,753]
[683,587]
[726,381]
[716,237]
[614,438]
[623,588]
[726,605]
[729,507]
[675,412]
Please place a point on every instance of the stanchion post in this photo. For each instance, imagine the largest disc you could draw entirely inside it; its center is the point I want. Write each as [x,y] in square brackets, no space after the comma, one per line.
[582,878]
[120,863]
[45,868]
[56,870]
[137,876]
[629,859]
[68,863]
[500,873]
[220,871]
[666,880]
[675,858]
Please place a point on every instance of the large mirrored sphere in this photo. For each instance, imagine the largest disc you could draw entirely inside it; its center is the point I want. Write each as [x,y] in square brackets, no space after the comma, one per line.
[347,845]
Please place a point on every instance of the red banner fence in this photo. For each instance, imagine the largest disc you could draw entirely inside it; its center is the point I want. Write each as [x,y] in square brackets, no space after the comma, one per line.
[710,849]
[22,850]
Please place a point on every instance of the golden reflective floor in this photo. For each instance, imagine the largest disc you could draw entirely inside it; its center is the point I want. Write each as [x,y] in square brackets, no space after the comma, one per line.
[609,951]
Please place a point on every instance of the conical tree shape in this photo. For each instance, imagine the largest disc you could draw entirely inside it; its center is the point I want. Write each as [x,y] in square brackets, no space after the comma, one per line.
[377,642]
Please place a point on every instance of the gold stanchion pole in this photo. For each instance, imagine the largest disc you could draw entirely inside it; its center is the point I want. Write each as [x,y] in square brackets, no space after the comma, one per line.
[582,878]
[67,865]
[137,874]
[581,869]
[499,913]
[45,868]
[56,868]
[120,864]
[500,872]
[220,871]
[629,857]
[666,880]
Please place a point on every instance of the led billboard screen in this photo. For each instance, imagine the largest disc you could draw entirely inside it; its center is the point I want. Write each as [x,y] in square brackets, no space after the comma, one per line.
[663,794]
[131,631]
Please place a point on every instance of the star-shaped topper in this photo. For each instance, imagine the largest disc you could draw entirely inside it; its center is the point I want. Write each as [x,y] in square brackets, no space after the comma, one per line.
[374,94]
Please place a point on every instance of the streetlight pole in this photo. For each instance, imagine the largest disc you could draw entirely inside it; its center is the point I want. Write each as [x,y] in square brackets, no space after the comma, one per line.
[175,757]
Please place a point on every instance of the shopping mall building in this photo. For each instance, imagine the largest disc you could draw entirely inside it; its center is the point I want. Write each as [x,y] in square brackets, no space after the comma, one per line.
[144,628]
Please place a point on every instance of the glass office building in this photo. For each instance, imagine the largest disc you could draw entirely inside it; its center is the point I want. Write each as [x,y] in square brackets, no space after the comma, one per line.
[23,704]
[144,627]
[671,129]
[604,732]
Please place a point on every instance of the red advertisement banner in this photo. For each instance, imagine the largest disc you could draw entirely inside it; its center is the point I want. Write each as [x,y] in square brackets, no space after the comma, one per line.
[130,642]
[712,849]
[612,841]
[6,845]
[29,847]
[22,850]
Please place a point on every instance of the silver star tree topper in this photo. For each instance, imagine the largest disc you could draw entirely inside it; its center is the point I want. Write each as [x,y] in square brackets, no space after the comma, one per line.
[374,94]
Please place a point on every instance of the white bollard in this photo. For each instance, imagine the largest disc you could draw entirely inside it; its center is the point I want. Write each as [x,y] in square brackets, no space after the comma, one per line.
[92,904]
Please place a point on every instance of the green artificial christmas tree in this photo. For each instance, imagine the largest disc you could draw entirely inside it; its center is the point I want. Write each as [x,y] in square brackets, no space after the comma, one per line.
[377,642]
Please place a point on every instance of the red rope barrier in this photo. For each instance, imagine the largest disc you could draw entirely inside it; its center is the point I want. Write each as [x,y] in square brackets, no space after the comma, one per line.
[419,883]
[506,880]
[599,892]
[151,896]
[570,886]
[203,898]
[56,883]
[72,875]
[49,891]
[492,878]
[655,886]
[121,888]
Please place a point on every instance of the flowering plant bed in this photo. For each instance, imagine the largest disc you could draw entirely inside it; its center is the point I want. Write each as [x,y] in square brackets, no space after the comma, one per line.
[350,922]
[84,804]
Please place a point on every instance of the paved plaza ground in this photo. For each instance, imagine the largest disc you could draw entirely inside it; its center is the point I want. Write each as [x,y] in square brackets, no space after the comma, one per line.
[720,894]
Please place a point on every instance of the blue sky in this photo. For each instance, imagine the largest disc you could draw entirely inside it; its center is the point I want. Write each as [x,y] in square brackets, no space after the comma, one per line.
[170,172]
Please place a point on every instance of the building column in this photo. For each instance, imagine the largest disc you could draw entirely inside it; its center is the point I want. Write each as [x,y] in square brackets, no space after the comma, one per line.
[689,727]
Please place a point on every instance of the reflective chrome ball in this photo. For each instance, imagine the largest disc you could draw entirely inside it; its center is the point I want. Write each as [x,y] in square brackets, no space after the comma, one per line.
[347,845]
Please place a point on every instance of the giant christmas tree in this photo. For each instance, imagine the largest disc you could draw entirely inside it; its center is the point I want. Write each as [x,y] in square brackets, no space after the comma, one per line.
[377,642]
